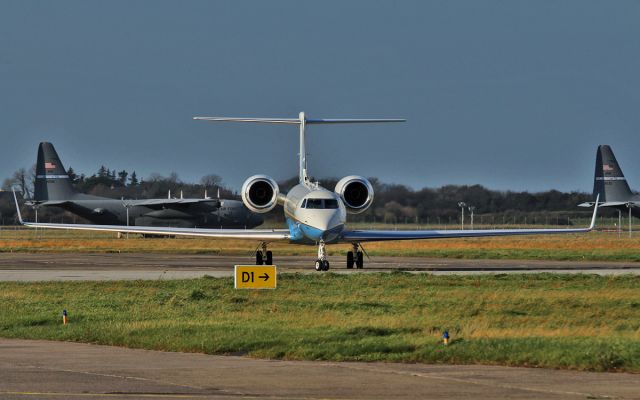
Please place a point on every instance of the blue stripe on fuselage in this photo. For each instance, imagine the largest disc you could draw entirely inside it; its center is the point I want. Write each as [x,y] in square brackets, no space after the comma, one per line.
[300,232]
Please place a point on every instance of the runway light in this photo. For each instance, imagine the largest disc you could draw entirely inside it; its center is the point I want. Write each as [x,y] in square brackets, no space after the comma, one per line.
[65,318]
[445,338]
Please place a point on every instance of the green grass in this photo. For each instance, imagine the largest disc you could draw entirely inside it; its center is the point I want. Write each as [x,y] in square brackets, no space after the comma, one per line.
[580,322]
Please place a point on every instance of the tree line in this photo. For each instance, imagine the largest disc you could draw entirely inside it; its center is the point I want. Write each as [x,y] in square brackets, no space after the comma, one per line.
[396,203]
[393,203]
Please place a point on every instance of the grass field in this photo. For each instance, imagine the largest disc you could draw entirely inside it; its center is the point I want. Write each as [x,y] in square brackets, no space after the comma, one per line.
[561,321]
[599,246]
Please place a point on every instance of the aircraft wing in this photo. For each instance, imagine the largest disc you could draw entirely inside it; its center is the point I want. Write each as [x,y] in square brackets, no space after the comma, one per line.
[251,234]
[47,203]
[380,235]
[68,205]
[159,203]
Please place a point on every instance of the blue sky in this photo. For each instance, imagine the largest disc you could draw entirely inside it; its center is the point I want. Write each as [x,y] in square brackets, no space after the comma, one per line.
[507,94]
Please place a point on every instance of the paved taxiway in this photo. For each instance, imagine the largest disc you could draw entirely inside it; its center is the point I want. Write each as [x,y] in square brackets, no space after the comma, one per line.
[55,370]
[43,267]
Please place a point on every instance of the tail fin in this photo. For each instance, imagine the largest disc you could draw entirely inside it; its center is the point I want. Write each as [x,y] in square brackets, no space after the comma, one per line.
[609,182]
[301,121]
[52,181]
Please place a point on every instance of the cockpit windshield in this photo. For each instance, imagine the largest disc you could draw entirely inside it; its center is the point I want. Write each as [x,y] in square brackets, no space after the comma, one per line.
[320,204]
[331,203]
[314,203]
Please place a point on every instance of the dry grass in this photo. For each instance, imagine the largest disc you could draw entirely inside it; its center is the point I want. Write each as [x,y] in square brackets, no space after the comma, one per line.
[592,246]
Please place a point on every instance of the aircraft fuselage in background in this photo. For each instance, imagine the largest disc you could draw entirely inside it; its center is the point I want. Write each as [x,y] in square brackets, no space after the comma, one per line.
[53,188]
[206,214]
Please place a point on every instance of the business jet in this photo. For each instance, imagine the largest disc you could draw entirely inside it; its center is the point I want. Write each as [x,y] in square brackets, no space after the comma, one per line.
[314,215]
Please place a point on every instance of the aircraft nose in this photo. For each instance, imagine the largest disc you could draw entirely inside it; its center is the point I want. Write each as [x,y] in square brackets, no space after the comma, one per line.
[330,223]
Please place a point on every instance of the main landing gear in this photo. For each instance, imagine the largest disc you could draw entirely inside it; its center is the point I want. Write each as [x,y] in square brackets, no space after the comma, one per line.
[263,256]
[322,264]
[355,257]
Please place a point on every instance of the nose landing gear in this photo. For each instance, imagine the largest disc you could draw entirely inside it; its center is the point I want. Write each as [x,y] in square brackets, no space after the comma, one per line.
[355,257]
[322,264]
[263,256]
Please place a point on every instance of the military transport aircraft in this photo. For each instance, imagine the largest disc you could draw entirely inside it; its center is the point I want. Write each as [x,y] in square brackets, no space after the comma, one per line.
[611,186]
[314,215]
[53,188]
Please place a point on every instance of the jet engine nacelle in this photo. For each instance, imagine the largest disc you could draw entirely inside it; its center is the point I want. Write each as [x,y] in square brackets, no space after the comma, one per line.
[260,193]
[356,193]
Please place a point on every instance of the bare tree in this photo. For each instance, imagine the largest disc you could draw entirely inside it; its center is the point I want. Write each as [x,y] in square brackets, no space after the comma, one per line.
[211,181]
[21,179]
[173,178]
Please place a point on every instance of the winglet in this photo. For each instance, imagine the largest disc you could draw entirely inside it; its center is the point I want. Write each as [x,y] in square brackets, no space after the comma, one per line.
[15,198]
[595,213]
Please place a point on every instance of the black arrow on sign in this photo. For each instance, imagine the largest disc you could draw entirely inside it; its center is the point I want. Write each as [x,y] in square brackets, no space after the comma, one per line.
[265,277]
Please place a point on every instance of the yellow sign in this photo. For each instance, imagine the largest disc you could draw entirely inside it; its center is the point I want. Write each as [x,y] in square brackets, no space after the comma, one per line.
[255,277]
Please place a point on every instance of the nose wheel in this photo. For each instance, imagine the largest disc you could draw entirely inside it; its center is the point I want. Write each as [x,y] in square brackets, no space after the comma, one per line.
[355,257]
[322,264]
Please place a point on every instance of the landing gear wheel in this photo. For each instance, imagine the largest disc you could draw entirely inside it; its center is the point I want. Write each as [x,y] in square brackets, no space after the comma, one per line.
[350,260]
[258,258]
[269,260]
[325,265]
[319,265]
[360,260]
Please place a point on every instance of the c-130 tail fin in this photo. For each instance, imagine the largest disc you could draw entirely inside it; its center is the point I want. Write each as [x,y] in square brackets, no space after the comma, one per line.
[609,182]
[52,180]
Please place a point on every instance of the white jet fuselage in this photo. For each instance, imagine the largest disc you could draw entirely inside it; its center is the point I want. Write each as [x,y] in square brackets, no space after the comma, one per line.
[314,214]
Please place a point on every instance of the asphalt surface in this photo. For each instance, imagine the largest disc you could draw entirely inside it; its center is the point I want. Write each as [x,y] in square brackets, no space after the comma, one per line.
[45,267]
[59,370]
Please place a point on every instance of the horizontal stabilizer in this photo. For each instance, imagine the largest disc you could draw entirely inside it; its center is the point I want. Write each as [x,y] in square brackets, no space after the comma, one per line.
[611,204]
[302,121]
[297,121]
[50,203]
[352,121]
[261,120]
